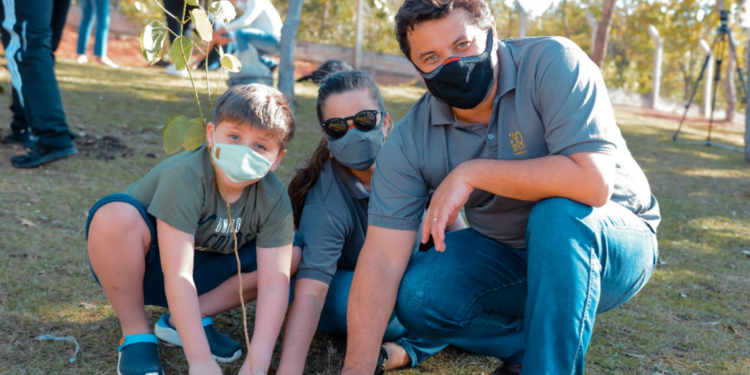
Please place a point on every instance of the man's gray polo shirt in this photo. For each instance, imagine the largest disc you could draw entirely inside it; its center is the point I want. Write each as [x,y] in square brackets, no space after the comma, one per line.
[551,100]
[333,224]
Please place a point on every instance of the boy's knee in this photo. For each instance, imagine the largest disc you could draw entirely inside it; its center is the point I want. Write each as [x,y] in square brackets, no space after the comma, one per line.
[117,219]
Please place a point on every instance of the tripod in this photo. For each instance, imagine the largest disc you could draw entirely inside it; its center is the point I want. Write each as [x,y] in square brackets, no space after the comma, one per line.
[723,37]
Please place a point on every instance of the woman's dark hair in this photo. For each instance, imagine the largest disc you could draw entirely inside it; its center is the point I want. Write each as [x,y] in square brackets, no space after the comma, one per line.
[307,176]
[414,12]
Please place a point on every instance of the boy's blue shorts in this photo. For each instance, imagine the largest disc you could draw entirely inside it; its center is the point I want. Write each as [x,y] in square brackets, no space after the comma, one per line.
[210,269]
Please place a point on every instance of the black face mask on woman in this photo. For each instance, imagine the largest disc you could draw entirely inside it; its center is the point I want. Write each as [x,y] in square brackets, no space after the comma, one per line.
[462,82]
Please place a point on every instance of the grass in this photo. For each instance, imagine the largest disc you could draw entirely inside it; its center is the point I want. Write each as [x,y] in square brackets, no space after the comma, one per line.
[679,324]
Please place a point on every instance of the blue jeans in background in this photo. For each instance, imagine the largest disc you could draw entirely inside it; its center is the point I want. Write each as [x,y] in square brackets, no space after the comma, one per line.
[333,321]
[88,8]
[266,44]
[536,306]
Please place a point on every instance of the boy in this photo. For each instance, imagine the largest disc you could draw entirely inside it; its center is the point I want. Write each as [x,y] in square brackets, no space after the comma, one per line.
[167,240]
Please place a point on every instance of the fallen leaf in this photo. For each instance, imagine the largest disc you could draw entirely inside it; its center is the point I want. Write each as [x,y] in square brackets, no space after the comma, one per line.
[34,200]
[734,331]
[17,343]
[683,295]
[639,356]
[87,306]
[26,222]
[679,228]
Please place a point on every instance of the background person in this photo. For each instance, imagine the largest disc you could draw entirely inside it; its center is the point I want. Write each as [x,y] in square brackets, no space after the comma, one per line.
[259,26]
[521,133]
[330,198]
[31,31]
[91,9]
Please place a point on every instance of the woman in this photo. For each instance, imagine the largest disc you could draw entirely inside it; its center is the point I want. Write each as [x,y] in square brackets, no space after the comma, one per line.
[330,197]
[88,7]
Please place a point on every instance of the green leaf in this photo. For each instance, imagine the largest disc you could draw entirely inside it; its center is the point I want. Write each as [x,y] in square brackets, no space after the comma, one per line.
[194,136]
[223,11]
[174,133]
[231,63]
[152,41]
[192,2]
[181,59]
[202,24]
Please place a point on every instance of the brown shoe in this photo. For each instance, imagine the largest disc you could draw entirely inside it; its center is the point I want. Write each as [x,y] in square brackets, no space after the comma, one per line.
[508,369]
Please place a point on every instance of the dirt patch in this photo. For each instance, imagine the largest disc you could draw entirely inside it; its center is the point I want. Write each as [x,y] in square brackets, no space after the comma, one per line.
[102,147]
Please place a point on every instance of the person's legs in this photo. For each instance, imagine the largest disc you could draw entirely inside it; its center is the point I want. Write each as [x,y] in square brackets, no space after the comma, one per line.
[175,7]
[30,62]
[471,295]
[102,27]
[84,30]
[265,43]
[581,261]
[333,321]
[119,241]
[59,17]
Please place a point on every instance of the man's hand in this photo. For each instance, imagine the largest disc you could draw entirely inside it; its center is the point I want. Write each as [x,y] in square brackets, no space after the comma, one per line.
[445,207]
[219,38]
[205,368]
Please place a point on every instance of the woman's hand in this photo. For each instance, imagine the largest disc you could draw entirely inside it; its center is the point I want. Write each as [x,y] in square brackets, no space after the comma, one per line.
[205,368]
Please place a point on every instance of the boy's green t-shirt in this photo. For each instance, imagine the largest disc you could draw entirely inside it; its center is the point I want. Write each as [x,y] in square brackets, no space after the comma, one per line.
[182,192]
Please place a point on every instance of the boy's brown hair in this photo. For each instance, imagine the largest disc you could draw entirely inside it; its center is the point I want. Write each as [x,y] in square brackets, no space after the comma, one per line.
[414,12]
[259,106]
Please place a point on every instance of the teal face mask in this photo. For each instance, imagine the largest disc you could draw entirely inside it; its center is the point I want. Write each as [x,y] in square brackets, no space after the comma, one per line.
[240,163]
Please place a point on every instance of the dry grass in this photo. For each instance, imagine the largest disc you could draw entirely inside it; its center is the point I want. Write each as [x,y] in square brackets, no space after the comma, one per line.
[44,277]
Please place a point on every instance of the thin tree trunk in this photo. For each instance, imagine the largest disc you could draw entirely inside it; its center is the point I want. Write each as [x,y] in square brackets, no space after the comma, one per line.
[286,50]
[522,18]
[323,21]
[602,33]
[359,35]
[564,11]
[747,115]
[730,92]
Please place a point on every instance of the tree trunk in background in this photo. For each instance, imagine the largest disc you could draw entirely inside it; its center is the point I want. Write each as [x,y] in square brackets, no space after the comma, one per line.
[730,92]
[286,50]
[564,11]
[602,33]
[522,18]
[359,36]
[747,115]
[594,26]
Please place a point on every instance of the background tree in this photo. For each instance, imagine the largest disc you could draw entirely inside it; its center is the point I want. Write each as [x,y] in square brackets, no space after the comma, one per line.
[602,33]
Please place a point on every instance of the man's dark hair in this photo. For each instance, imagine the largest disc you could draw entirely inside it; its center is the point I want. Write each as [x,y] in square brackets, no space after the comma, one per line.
[259,106]
[414,12]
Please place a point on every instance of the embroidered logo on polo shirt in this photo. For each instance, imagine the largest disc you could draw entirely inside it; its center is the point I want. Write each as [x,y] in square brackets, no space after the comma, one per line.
[516,140]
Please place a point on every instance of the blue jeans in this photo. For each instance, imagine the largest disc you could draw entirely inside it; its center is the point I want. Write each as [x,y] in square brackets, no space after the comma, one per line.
[88,7]
[264,42]
[536,306]
[333,321]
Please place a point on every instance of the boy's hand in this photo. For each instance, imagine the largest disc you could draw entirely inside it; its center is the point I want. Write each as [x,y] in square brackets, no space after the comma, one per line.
[207,368]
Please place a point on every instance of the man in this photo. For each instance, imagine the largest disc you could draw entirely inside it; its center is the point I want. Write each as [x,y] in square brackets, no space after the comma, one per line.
[521,133]
[31,32]
[258,26]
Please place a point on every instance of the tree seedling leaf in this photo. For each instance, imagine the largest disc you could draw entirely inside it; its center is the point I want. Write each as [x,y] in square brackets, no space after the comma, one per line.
[202,24]
[152,41]
[231,63]
[174,133]
[224,11]
[194,136]
[192,2]
[181,58]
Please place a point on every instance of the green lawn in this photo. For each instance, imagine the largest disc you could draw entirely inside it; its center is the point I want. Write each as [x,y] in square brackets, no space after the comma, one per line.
[679,324]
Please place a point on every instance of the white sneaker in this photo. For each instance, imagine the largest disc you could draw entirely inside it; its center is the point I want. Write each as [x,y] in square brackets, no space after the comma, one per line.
[171,70]
[106,61]
[82,59]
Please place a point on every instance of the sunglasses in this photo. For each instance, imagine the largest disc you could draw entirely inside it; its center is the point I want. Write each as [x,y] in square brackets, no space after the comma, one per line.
[364,121]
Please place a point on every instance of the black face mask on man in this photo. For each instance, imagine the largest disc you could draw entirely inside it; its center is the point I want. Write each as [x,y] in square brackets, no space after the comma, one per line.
[462,82]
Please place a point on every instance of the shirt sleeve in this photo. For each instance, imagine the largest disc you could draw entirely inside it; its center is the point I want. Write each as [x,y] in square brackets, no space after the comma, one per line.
[278,229]
[252,11]
[574,104]
[323,233]
[399,192]
[178,199]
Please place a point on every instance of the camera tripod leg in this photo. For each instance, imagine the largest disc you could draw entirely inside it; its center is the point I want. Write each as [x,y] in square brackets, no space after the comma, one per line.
[695,89]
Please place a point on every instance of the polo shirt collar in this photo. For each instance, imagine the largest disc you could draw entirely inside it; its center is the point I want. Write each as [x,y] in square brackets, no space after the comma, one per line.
[351,183]
[441,113]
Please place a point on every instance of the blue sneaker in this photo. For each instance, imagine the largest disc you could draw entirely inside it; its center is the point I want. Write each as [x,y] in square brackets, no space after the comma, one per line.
[40,155]
[22,138]
[139,355]
[222,347]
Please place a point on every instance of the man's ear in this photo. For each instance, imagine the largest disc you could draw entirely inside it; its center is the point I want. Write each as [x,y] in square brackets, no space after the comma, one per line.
[210,127]
[387,124]
[278,160]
